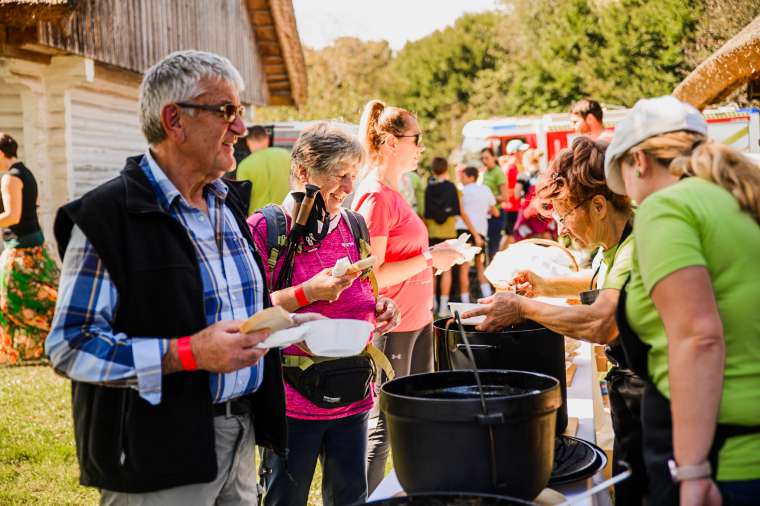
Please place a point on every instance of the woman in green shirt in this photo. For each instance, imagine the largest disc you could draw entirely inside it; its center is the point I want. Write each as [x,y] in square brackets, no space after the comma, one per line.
[586,209]
[688,318]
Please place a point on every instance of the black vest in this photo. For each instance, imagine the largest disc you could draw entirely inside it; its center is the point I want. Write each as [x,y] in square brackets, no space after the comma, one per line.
[124,443]
[28,224]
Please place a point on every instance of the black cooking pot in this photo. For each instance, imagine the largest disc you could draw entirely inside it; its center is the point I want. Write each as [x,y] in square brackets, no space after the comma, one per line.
[442,441]
[525,347]
[450,500]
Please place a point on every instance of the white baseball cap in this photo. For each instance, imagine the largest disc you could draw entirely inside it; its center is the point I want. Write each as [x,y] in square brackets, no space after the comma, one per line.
[649,117]
[516,145]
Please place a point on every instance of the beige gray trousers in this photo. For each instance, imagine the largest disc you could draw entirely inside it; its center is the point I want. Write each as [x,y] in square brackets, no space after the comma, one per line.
[235,483]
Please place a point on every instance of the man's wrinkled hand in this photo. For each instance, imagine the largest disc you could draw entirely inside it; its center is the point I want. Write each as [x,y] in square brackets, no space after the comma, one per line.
[222,348]
[501,310]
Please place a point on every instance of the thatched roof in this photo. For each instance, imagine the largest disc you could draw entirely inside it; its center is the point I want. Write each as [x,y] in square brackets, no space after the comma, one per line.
[26,13]
[735,63]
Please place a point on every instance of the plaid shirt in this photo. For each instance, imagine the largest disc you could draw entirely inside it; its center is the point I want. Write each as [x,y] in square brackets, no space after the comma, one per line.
[82,344]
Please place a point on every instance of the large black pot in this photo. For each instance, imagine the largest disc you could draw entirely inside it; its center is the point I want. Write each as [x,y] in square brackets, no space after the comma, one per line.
[442,441]
[450,500]
[525,347]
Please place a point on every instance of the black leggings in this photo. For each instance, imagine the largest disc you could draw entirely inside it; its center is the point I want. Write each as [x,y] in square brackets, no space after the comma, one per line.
[409,353]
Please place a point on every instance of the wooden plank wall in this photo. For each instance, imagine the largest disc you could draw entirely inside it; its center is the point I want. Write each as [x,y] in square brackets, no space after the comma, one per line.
[11,115]
[135,34]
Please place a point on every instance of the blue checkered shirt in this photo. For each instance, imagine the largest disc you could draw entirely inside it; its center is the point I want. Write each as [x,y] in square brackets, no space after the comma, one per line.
[82,344]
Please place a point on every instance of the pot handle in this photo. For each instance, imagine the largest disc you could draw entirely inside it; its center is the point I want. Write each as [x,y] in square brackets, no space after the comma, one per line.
[602,486]
[476,347]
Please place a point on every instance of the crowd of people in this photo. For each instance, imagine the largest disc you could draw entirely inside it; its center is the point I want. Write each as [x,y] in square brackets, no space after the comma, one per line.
[163,264]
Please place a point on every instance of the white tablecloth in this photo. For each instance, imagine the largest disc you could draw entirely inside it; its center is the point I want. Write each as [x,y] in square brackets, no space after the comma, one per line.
[579,405]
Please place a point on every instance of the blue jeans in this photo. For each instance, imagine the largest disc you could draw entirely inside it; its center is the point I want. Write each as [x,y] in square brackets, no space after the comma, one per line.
[740,493]
[340,445]
[495,228]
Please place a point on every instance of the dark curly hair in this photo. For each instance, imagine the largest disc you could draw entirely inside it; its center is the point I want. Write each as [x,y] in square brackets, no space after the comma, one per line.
[577,173]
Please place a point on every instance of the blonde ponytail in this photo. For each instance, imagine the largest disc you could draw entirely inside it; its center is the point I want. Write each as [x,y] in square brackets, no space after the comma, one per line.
[378,121]
[691,154]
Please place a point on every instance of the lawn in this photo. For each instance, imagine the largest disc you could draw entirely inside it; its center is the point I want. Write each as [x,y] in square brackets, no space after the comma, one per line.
[38,463]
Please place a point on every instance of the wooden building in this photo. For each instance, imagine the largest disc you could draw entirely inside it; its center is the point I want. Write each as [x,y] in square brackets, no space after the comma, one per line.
[70,72]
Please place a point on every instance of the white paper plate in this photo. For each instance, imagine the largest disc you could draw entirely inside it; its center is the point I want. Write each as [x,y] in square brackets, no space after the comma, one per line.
[463,307]
[337,337]
[284,337]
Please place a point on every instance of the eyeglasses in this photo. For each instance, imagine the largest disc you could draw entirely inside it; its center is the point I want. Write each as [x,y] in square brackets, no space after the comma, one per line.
[417,138]
[561,219]
[228,111]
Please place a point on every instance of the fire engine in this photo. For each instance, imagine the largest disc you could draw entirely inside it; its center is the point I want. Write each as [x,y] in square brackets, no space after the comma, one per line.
[550,133]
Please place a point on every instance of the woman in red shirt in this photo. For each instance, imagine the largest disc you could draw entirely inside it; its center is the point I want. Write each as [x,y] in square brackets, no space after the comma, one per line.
[399,240]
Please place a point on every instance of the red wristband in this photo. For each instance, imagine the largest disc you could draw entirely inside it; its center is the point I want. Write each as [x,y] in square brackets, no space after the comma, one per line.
[301,297]
[185,353]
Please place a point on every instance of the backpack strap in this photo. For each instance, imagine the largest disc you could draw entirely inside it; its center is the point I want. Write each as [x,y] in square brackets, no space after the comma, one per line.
[277,236]
[361,237]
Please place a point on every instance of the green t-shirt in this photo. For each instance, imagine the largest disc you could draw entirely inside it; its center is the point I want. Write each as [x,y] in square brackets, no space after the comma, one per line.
[269,172]
[493,178]
[618,261]
[697,223]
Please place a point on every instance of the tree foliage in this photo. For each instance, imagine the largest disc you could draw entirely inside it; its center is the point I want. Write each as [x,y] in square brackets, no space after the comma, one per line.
[530,57]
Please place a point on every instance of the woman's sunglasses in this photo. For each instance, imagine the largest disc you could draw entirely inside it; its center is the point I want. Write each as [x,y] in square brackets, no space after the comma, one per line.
[417,138]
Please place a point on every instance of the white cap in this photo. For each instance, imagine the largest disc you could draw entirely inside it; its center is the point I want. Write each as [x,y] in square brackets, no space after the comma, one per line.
[649,117]
[516,145]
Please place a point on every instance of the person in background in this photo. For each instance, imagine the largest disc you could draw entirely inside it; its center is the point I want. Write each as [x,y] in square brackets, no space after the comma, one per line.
[530,222]
[443,208]
[28,276]
[493,178]
[399,240]
[587,119]
[267,168]
[688,317]
[336,436]
[479,204]
[513,190]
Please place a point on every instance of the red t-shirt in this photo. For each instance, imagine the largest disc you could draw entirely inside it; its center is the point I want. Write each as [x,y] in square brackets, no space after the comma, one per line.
[512,204]
[388,215]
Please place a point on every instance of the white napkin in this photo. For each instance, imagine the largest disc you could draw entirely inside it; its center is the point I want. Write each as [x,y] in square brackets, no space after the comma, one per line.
[460,245]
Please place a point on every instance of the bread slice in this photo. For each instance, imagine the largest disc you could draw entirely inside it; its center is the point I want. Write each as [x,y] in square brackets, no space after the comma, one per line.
[273,318]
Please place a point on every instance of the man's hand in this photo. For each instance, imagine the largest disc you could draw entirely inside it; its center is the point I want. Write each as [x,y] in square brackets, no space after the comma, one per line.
[222,348]
[388,316]
[325,286]
[502,310]
[700,493]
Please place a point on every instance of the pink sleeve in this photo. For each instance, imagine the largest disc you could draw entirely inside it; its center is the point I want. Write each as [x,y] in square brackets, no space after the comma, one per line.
[258,226]
[375,212]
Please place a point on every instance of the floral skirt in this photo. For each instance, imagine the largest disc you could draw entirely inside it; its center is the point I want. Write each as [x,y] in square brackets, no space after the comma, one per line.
[28,291]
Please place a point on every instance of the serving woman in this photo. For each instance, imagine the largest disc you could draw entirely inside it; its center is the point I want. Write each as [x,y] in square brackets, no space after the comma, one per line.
[688,317]
[332,430]
[587,210]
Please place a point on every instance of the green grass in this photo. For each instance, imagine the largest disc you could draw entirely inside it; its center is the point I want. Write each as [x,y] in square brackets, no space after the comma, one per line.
[38,463]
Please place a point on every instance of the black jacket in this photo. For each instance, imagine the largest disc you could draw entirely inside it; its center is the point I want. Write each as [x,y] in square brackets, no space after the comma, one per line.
[124,443]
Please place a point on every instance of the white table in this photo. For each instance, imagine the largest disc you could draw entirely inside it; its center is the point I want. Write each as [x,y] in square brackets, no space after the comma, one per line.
[580,405]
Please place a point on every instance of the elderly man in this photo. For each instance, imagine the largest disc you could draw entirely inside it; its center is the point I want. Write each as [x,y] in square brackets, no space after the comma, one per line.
[159,272]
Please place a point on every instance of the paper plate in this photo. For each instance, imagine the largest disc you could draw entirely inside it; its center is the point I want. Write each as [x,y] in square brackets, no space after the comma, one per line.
[337,337]
[463,307]
[284,337]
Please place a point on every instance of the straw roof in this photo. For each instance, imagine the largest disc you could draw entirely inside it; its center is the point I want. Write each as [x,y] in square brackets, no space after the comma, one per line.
[731,66]
[26,13]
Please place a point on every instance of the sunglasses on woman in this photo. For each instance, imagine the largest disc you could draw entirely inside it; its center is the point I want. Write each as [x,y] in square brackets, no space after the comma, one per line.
[228,111]
[417,138]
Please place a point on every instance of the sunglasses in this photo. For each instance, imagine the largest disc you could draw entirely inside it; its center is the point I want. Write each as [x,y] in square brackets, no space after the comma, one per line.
[417,138]
[228,111]
[561,219]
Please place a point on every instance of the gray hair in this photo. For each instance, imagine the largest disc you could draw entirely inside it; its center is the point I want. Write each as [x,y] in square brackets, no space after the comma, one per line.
[321,147]
[177,78]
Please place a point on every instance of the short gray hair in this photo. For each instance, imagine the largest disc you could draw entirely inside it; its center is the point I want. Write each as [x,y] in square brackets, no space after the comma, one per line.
[322,147]
[177,78]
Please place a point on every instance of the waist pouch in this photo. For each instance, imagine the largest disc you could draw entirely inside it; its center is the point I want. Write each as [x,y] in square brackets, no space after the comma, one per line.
[333,382]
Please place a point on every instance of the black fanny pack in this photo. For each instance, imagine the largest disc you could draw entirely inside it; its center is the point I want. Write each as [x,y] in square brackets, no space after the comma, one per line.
[330,382]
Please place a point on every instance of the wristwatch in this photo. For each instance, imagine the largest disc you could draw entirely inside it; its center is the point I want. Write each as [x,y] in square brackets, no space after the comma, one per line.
[692,472]
[428,257]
